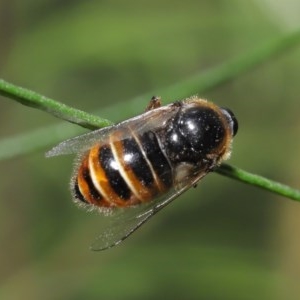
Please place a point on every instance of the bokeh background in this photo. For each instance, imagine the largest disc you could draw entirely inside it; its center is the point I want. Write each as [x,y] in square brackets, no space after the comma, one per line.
[222,240]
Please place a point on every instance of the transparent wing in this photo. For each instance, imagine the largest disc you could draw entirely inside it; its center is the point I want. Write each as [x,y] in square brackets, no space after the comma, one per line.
[80,143]
[122,224]
[148,121]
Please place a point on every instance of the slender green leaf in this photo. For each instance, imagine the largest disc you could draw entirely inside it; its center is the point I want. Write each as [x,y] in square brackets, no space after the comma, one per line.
[35,140]
[59,110]
[198,83]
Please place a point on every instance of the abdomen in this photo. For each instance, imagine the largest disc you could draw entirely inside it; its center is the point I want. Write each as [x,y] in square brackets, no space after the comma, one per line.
[124,170]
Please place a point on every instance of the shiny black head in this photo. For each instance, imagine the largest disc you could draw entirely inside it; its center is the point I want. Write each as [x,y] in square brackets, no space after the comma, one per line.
[197,132]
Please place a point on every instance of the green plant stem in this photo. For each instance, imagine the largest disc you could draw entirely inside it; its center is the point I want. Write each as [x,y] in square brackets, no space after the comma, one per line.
[231,69]
[59,110]
[203,82]
[198,83]
[259,181]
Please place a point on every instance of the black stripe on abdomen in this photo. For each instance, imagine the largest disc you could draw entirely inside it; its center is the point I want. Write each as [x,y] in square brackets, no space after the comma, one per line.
[114,177]
[78,194]
[133,157]
[156,157]
[93,191]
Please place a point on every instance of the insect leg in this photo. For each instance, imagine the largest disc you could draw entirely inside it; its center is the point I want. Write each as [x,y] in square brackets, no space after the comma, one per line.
[155,102]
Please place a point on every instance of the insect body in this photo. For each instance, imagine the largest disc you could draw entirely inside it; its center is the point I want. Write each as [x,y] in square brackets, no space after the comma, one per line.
[133,169]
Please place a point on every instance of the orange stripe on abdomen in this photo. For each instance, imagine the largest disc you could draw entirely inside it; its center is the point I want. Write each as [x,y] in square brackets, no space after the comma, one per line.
[107,178]
[86,187]
[133,167]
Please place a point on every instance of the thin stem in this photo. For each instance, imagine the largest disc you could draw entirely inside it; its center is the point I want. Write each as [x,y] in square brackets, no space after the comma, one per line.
[259,181]
[59,110]
[231,69]
[198,83]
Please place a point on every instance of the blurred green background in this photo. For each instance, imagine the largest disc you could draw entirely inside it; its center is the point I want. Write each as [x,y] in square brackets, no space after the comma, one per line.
[222,240]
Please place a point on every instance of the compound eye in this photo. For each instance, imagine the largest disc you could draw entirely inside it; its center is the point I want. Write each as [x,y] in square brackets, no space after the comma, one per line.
[234,125]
